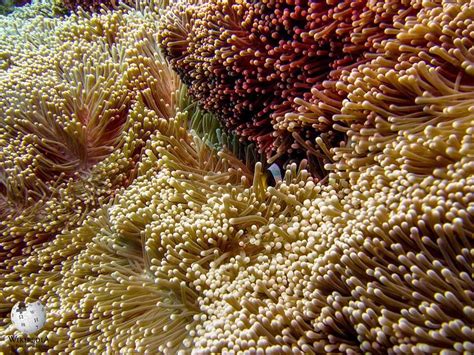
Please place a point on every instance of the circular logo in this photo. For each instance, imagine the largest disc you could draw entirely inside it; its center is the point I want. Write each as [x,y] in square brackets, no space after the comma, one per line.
[28,318]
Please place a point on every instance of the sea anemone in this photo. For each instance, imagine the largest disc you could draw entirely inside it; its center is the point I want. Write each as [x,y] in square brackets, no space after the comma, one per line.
[418,92]
[62,118]
[141,258]
[90,5]
[254,64]
[73,126]
[7,6]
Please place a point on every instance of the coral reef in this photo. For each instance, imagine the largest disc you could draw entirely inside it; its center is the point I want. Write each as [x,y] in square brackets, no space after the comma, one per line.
[271,70]
[138,235]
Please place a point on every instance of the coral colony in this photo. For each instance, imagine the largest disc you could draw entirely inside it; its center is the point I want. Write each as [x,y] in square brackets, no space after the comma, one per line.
[236,176]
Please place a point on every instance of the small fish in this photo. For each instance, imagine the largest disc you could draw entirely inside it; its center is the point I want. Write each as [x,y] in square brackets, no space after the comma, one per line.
[274,174]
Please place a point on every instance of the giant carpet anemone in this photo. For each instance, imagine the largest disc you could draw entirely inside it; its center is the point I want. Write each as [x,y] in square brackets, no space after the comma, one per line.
[274,71]
[123,212]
